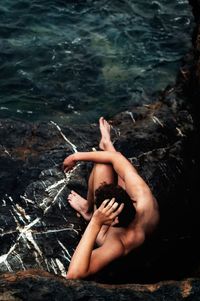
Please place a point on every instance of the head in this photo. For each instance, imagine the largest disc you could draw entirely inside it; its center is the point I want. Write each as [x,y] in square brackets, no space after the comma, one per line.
[109,191]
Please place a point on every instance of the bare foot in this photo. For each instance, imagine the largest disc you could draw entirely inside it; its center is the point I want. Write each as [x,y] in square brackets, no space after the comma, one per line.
[105,142]
[79,204]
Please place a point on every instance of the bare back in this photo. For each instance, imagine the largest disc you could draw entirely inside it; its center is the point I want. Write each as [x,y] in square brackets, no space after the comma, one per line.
[134,235]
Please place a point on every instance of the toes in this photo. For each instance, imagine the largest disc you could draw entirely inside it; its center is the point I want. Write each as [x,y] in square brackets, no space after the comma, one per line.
[107,124]
[101,121]
[70,196]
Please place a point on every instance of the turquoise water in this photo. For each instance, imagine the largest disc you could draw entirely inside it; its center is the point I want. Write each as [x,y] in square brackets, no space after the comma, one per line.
[72,61]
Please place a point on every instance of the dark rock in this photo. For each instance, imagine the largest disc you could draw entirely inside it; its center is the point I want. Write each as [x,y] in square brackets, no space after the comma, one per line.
[42,230]
[41,286]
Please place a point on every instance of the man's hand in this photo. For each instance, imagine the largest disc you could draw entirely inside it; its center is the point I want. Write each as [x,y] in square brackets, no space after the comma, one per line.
[107,213]
[69,163]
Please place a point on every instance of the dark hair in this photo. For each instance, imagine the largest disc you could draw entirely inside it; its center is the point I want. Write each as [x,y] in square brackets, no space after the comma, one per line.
[109,191]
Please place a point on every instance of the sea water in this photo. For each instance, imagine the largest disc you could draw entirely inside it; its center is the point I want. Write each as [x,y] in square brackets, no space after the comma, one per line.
[73,61]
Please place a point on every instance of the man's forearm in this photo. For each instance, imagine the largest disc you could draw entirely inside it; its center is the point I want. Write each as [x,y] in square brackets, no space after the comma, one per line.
[81,258]
[120,164]
[96,157]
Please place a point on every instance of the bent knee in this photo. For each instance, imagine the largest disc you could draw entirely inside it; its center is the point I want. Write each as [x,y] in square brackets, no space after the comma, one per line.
[105,172]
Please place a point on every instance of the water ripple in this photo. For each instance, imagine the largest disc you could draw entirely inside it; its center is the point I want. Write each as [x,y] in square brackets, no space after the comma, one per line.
[76,60]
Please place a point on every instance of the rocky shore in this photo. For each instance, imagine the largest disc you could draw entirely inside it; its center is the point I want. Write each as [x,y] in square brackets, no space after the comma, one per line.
[39,230]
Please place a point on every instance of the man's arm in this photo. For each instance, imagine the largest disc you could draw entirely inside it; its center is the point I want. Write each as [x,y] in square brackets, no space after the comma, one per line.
[85,260]
[135,186]
[119,162]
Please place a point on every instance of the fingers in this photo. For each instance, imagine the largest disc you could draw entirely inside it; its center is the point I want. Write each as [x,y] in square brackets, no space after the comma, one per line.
[103,204]
[110,206]
[66,167]
[107,204]
[118,211]
[113,207]
[108,212]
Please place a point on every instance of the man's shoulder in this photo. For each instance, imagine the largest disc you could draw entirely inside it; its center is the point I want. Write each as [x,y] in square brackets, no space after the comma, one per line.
[126,238]
[133,238]
[113,243]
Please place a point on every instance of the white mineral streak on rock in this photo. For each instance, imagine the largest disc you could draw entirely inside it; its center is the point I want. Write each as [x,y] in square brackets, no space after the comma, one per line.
[18,215]
[54,199]
[25,232]
[64,137]
[55,185]
[54,266]
[44,202]
[68,257]
[16,221]
[163,149]
[47,264]
[3,258]
[27,200]
[58,193]
[156,120]
[116,130]
[61,267]
[7,152]
[72,227]
[26,228]
[20,260]
[35,253]
[4,203]
[30,238]
[179,132]
[131,115]
[6,232]
[8,266]
[58,267]
[51,189]
[43,184]
[23,212]
[134,161]
[10,198]
[59,230]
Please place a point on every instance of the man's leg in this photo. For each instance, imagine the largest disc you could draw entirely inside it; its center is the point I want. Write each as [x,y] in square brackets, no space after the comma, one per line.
[106,143]
[101,173]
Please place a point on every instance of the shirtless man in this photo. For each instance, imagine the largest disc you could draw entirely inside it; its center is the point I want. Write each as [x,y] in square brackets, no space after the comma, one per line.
[113,240]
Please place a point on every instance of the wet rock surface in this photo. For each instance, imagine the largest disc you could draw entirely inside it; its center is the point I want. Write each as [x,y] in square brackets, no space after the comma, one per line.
[39,230]
[40,285]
